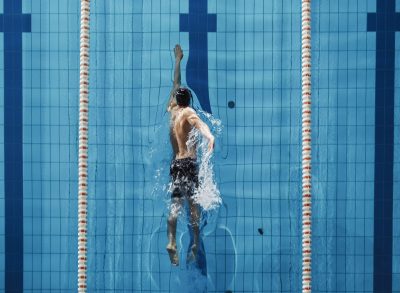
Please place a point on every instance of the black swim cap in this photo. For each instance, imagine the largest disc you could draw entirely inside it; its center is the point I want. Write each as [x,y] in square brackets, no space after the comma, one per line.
[183,96]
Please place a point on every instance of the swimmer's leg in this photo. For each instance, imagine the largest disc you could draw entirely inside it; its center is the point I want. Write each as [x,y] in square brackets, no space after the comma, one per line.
[176,204]
[195,225]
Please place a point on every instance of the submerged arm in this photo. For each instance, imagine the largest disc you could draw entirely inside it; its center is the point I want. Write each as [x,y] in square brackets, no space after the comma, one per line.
[177,76]
[196,122]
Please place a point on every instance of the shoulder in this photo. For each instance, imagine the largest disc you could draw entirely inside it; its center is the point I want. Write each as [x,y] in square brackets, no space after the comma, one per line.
[189,112]
[191,116]
[172,108]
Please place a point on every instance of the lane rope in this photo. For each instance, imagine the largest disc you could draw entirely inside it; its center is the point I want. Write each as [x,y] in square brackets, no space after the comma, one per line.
[83,144]
[306,144]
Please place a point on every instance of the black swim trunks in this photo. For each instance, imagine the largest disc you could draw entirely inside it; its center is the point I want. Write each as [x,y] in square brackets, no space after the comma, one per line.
[185,177]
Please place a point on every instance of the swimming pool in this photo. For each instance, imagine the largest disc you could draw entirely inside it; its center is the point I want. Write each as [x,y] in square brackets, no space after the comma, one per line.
[247,72]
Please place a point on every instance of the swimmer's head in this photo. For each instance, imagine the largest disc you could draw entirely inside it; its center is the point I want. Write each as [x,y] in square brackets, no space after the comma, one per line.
[183,96]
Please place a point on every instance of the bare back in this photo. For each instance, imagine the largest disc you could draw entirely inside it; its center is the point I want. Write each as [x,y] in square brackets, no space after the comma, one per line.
[179,132]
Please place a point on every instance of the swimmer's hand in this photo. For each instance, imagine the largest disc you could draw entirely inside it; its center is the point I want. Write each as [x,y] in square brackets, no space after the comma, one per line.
[178,52]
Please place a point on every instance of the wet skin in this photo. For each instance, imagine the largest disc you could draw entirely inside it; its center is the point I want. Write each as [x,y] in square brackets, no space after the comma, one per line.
[183,120]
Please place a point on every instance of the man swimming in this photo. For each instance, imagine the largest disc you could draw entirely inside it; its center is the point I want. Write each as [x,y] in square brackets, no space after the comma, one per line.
[184,169]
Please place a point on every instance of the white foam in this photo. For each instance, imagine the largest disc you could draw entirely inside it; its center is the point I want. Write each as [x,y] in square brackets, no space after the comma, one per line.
[207,195]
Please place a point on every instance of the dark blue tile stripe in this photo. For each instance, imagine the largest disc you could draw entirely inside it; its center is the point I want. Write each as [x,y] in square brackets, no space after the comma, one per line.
[385,22]
[198,23]
[13,23]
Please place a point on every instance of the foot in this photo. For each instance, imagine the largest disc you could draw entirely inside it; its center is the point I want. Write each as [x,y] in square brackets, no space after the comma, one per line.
[193,253]
[178,52]
[173,256]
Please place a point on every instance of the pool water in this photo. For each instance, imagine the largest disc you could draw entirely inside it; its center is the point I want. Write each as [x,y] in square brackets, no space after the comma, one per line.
[242,59]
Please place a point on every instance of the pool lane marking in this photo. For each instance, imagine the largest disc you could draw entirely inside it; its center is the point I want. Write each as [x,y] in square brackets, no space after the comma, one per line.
[385,22]
[198,23]
[13,23]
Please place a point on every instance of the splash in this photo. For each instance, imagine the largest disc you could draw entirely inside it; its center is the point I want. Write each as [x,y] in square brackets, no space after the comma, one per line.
[216,124]
[207,194]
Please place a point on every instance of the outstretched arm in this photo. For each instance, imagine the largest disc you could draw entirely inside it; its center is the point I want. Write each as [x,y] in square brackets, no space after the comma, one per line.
[177,71]
[177,76]
[195,121]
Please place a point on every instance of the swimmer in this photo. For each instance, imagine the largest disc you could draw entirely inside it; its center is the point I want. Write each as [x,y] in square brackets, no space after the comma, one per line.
[184,169]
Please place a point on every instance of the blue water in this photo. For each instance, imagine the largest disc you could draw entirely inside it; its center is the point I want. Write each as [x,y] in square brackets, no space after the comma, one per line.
[252,242]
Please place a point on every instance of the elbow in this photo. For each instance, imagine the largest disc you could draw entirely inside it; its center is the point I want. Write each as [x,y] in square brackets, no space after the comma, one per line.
[198,125]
